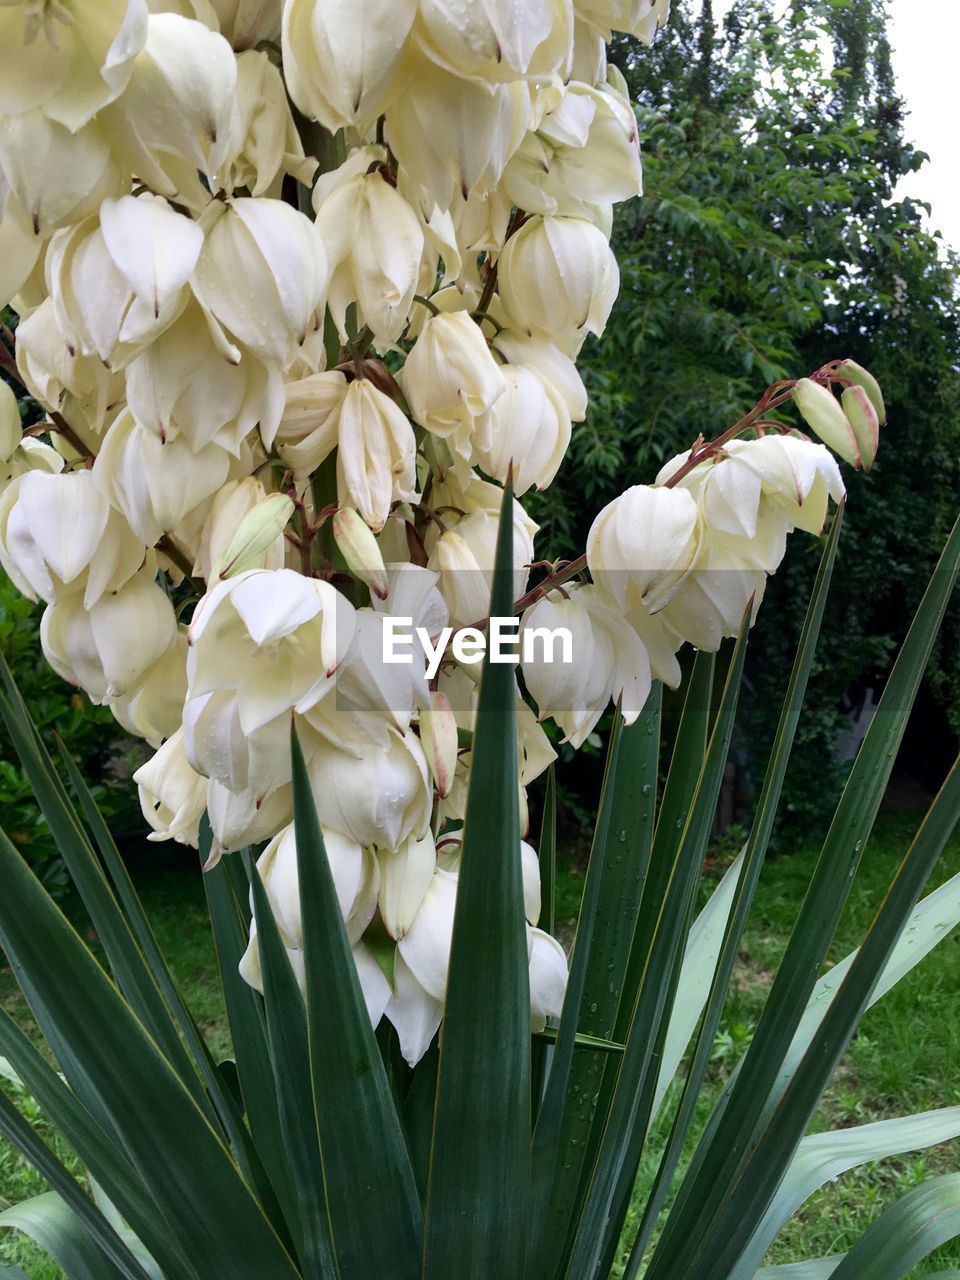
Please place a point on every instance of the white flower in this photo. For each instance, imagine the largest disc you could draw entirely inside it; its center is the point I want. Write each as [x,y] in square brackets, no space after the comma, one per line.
[59,536]
[548,978]
[156,483]
[607,660]
[57,177]
[379,795]
[154,247]
[307,433]
[374,244]
[95,301]
[255,761]
[192,382]
[11,430]
[30,455]
[585,153]
[80,387]
[526,429]
[450,378]
[376,460]
[355,878]
[757,490]
[242,818]
[108,648]
[425,947]
[636,17]
[19,245]
[341,59]
[377,695]
[554,366]
[711,601]
[68,60]
[272,304]
[498,39]
[453,135]
[559,277]
[405,877]
[274,637]
[264,143]
[464,557]
[414,1013]
[175,115]
[172,796]
[154,709]
[642,543]
[355,874]
[423,961]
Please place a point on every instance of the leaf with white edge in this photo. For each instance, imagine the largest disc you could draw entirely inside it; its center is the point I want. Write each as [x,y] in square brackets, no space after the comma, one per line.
[699,963]
[815,1269]
[921,1221]
[59,1232]
[821,1157]
[930,922]
[91,1222]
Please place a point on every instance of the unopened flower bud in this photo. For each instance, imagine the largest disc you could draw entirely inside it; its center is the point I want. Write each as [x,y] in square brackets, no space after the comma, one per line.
[862,416]
[822,413]
[438,736]
[359,548]
[861,377]
[257,531]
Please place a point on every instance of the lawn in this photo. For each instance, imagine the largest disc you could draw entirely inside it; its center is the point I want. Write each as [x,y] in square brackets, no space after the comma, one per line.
[905,1059]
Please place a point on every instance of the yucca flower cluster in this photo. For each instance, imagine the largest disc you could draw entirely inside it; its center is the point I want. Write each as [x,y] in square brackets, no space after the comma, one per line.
[301,287]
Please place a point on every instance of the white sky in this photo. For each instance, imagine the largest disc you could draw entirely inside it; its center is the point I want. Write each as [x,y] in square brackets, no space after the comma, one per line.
[925,36]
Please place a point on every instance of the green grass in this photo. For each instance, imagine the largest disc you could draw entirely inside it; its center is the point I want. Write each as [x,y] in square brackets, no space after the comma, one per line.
[906,1057]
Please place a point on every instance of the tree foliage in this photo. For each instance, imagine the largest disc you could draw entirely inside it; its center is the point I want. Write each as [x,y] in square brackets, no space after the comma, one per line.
[768,240]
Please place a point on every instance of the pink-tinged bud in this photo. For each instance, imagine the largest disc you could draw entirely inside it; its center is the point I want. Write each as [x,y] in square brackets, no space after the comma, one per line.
[359,548]
[861,377]
[821,411]
[862,416]
[438,736]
